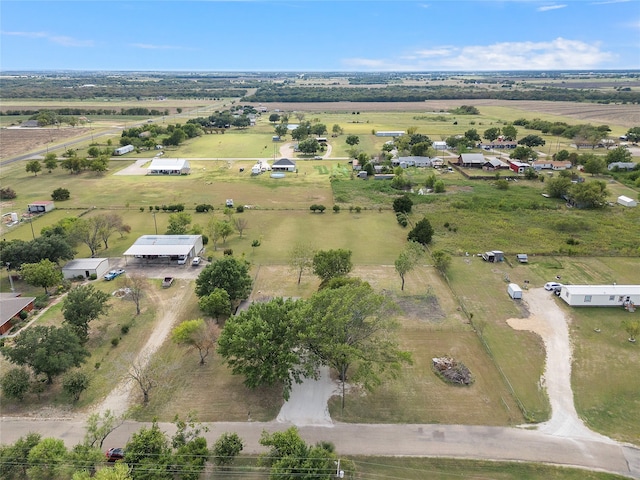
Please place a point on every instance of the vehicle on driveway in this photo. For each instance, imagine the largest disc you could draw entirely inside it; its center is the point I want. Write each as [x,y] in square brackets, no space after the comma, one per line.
[552,286]
[182,260]
[114,454]
[196,261]
[166,283]
[111,274]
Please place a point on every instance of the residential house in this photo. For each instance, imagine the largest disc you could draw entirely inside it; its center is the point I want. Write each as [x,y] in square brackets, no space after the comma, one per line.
[621,166]
[284,165]
[471,160]
[11,305]
[169,166]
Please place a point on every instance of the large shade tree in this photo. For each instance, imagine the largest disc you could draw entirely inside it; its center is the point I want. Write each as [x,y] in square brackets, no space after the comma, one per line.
[82,305]
[228,273]
[48,350]
[351,329]
[262,344]
[328,264]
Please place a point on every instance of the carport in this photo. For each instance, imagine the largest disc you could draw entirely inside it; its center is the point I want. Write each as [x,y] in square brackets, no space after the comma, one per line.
[155,249]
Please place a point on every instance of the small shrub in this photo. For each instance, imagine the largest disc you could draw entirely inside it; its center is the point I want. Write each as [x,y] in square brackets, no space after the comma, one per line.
[228,251]
[502,184]
[150,208]
[157,208]
[446,224]
[60,194]
[255,243]
[97,365]
[209,258]
[23,315]
[41,301]
[336,208]
[358,209]
[7,193]
[240,208]
[572,241]
[124,329]
[115,341]
[142,209]
[93,276]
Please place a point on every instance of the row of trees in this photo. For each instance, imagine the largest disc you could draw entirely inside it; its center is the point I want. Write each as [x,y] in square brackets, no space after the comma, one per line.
[152,454]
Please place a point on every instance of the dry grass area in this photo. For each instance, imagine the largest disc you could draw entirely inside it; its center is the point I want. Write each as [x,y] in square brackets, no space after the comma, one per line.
[14,141]
[623,115]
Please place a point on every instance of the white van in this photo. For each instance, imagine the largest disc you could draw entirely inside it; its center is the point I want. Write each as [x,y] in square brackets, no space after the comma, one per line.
[196,261]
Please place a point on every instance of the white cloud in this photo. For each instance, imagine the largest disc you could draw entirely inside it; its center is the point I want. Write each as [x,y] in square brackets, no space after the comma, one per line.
[608,2]
[63,40]
[557,54]
[546,8]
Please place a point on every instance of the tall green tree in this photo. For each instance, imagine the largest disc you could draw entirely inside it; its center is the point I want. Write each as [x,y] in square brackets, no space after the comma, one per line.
[595,166]
[229,274]
[441,260]
[509,132]
[48,350]
[301,259]
[618,154]
[13,458]
[352,328]
[47,459]
[328,264]
[556,187]
[196,334]
[491,134]
[51,161]
[422,233]
[44,274]
[226,449]
[34,166]
[82,305]
[216,304]
[532,141]
[262,344]
[352,140]
[148,454]
[88,231]
[589,194]
[408,259]
[178,223]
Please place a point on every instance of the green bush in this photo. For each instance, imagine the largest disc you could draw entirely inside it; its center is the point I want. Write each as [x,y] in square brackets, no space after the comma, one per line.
[41,301]
[115,341]
[240,208]
[23,315]
[228,251]
[60,194]
[124,329]
[336,208]
[93,276]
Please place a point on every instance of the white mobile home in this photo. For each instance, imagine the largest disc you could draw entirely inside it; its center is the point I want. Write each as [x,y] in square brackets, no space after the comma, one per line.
[600,295]
[123,150]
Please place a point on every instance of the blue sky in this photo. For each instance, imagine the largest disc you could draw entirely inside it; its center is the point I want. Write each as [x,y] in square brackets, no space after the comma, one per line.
[319,35]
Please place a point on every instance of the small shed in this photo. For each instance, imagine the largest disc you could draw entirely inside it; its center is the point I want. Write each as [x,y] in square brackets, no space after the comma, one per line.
[522,258]
[626,201]
[41,207]
[85,267]
[514,291]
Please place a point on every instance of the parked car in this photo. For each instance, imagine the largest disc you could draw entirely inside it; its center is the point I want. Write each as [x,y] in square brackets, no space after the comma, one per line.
[114,454]
[196,261]
[552,286]
[111,274]
[182,260]
[229,202]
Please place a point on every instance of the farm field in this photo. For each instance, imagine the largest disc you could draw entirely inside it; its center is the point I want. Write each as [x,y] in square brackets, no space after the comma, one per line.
[470,217]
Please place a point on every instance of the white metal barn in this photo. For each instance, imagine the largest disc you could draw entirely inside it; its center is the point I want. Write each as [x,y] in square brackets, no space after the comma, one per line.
[85,267]
[41,207]
[600,295]
[123,150]
[169,166]
[166,247]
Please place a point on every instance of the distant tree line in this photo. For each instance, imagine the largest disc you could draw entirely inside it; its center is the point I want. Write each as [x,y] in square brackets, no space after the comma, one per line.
[276,93]
[141,111]
[91,87]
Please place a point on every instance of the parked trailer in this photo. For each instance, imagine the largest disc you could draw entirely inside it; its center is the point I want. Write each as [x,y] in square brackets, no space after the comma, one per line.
[514,291]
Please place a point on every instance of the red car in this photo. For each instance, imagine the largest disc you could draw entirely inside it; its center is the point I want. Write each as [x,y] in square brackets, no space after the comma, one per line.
[114,454]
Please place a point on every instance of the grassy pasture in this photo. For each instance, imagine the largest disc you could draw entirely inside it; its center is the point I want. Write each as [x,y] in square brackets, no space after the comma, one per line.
[444,469]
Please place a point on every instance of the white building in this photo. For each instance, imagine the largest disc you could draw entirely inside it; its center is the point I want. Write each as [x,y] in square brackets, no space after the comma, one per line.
[85,267]
[284,165]
[169,166]
[626,201]
[600,295]
[123,150]
[397,133]
[41,207]
[166,247]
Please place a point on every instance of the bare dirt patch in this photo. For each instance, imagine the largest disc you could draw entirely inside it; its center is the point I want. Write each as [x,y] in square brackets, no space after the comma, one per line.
[424,308]
[14,141]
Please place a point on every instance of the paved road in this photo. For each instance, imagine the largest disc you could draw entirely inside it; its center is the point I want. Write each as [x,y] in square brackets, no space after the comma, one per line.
[457,441]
